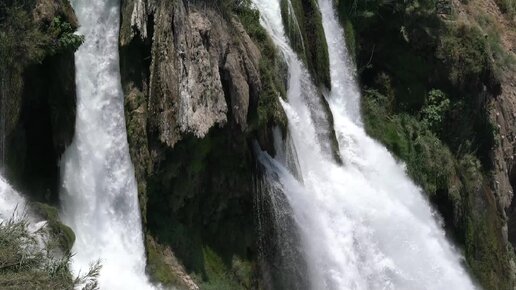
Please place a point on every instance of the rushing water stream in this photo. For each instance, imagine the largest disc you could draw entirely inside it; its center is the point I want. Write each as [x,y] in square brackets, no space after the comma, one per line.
[363,224]
[99,192]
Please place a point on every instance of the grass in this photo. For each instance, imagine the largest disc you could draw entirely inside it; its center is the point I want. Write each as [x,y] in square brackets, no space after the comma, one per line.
[27,263]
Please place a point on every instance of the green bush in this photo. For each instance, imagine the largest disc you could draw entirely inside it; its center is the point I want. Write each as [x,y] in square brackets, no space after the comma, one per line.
[428,160]
[434,112]
[464,50]
[64,36]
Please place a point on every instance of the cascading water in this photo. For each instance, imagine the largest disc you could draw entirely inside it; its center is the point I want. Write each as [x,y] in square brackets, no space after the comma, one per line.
[12,204]
[99,192]
[363,224]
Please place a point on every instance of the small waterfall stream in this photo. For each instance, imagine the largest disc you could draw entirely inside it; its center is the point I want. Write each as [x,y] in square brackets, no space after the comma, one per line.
[99,193]
[363,224]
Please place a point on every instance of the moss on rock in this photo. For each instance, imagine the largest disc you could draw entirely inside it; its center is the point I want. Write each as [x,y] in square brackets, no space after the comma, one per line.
[62,233]
[305,19]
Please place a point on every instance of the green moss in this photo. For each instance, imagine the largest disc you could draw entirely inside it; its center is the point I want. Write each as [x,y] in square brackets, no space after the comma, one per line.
[293,29]
[160,270]
[305,19]
[349,34]
[269,108]
[200,196]
[221,276]
[454,184]
[63,234]
[269,111]
[485,250]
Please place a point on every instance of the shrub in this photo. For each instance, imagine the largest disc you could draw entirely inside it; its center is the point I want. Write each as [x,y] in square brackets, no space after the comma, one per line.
[463,49]
[64,37]
[434,112]
[428,160]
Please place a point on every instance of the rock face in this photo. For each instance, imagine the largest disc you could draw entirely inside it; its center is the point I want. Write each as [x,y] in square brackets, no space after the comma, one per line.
[39,104]
[194,54]
[193,82]
[501,107]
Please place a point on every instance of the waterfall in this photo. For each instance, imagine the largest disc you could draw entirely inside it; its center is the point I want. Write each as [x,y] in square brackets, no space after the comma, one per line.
[99,193]
[12,204]
[363,224]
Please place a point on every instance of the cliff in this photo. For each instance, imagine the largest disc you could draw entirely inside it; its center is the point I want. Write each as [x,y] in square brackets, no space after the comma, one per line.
[201,82]
[38,93]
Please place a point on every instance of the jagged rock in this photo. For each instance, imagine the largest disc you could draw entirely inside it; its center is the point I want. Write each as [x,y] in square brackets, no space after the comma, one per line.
[194,60]
[40,106]
[192,79]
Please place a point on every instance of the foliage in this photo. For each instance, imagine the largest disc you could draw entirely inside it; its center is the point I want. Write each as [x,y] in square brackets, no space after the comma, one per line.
[269,107]
[28,260]
[464,50]
[23,42]
[222,277]
[64,36]
[428,160]
[435,110]
[426,76]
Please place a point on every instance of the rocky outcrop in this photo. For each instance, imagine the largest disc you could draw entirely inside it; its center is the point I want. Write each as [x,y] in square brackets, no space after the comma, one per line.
[195,88]
[196,55]
[38,99]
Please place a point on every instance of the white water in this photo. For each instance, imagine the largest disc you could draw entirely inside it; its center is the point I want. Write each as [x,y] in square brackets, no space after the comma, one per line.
[12,204]
[99,194]
[364,225]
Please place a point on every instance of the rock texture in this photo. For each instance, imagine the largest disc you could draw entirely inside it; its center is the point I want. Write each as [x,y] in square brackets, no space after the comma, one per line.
[192,79]
[502,110]
[39,100]
[194,55]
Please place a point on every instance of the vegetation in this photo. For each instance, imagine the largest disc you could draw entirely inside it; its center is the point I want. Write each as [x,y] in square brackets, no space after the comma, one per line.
[24,42]
[30,260]
[64,36]
[425,73]
[62,234]
[204,215]
[303,24]
[269,110]
[508,7]
[236,276]
[33,259]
